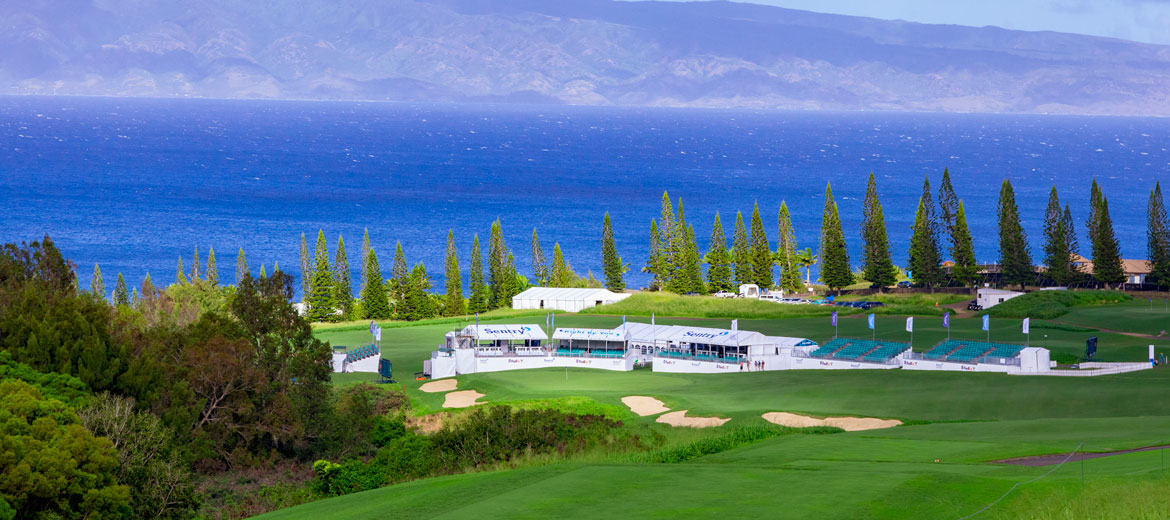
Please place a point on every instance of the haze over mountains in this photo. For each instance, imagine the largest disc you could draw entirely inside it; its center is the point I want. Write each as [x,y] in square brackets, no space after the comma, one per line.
[591,52]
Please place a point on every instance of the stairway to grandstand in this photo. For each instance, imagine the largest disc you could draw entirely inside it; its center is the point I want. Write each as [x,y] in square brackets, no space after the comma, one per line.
[965,351]
[362,352]
[850,349]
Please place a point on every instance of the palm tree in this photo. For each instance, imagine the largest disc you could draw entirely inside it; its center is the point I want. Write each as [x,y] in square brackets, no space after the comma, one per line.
[806,259]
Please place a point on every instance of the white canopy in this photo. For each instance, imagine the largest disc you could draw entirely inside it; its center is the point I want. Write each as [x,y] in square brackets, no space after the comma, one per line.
[524,331]
[590,334]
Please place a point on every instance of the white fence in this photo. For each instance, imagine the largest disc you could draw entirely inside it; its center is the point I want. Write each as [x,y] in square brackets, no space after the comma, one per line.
[1094,368]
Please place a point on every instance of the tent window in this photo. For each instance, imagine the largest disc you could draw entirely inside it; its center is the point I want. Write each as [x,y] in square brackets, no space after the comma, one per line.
[541,304]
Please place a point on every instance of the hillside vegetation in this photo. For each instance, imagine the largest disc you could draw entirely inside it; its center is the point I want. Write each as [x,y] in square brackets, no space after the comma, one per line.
[1053,304]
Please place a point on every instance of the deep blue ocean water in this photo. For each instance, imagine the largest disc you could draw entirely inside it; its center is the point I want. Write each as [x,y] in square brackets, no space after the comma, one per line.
[133,184]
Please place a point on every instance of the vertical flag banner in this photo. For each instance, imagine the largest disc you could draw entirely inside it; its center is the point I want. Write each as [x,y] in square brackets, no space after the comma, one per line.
[651,319]
[946,320]
[870,319]
[910,324]
[371,327]
[834,318]
[1026,324]
[734,325]
[986,322]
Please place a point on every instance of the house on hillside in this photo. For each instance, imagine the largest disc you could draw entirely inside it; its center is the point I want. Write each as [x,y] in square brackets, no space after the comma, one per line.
[1135,271]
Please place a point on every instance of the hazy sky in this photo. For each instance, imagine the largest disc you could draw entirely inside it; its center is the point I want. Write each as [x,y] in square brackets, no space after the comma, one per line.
[1138,20]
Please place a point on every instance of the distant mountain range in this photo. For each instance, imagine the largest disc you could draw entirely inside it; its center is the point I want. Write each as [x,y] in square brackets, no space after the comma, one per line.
[590,52]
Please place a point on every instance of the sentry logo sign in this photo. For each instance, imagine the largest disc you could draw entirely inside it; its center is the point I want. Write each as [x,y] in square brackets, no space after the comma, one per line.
[519,331]
[705,335]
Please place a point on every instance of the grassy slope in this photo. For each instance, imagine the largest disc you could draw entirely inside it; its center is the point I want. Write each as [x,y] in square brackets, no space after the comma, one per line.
[878,474]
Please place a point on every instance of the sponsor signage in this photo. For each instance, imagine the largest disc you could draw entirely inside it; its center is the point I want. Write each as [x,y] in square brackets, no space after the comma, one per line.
[517,331]
[705,335]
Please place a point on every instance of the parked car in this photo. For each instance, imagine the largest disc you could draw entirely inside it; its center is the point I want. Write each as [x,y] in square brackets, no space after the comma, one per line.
[770,298]
[905,284]
[724,294]
[973,305]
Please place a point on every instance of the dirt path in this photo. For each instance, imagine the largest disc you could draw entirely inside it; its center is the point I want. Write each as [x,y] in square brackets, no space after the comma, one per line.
[1057,458]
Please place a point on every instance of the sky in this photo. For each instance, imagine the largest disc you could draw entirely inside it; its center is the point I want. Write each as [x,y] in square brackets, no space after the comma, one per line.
[1138,20]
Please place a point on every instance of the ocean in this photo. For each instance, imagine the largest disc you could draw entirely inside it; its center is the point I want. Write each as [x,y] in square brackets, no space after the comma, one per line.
[133,184]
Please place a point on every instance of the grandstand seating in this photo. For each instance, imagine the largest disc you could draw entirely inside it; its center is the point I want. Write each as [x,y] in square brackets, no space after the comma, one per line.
[362,352]
[850,349]
[964,351]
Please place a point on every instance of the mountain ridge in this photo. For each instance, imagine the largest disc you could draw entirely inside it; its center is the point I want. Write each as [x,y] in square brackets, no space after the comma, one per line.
[586,52]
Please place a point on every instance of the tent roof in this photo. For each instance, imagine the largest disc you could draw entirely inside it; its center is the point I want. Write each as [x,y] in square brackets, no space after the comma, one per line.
[590,334]
[564,293]
[505,332]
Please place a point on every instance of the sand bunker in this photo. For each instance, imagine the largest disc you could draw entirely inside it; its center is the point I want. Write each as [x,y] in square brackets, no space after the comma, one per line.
[849,424]
[643,405]
[443,385]
[680,418]
[461,399]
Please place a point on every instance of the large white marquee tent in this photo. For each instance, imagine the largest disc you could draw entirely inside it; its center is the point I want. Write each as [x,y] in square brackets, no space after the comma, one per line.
[564,299]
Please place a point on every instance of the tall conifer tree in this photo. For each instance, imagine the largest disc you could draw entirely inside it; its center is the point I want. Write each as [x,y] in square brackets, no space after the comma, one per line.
[365,257]
[121,295]
[374,303]
[263,274]
[668,250]
[966,270]
[654,258]
[306,269]
[559,273]
[502,276]
[1107,268]
[692,272]
[1058,252]
[196,267]
[320,301]
[924,258]
[718,260]
[539,262]
[786,252]
[761,251]
[399,278]
[241,267]
[479,290]
[342,286]
[741,258]
[147,286]
[95,283]
[453,304]
[1076,272]
[878,267]
[948,205]
[1158,238]
[610,261]
[212,270]
[1015,258]
[180,276]
[835,271]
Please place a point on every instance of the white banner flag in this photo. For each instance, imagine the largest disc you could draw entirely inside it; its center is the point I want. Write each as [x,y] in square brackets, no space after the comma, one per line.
[910,324]
[734,325]
[1026,324]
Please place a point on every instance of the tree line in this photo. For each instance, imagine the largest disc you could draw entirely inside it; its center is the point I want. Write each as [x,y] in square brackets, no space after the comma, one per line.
[675,264]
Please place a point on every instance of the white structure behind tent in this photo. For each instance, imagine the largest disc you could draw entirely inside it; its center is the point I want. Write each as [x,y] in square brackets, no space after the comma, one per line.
[989,298]
[564,299]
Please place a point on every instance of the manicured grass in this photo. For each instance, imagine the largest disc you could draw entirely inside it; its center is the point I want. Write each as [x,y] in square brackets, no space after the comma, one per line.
[668,304]
[933,468]
[1137,315]
[387,324]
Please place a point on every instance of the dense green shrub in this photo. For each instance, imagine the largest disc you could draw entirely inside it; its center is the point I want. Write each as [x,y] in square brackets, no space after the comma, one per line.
[493,434]
[720,443]
[349,477]
[408,457]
